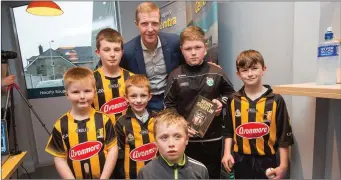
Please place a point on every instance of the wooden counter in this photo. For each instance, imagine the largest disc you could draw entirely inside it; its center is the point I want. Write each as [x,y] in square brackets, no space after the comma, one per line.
[310,89]
[11,165]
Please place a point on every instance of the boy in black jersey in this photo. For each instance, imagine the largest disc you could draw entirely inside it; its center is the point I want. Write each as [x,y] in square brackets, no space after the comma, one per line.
[257,122]
[135,129]
[185,83]
[83,140]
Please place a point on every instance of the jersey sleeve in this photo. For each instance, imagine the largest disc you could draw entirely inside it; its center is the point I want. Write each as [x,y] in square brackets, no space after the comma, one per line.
[227,88]
[110,134]
[228,130]
[170,93]
[284,131]
[55,146]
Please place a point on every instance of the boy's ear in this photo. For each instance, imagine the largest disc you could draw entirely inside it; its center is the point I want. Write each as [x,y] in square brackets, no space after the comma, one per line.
[97,52]
[150,96]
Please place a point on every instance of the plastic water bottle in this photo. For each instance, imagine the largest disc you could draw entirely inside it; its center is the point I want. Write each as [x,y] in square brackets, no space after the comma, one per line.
[327,59]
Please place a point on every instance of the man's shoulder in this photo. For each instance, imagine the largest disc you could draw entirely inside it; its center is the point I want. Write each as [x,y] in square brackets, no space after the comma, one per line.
[171,38]
[132,43]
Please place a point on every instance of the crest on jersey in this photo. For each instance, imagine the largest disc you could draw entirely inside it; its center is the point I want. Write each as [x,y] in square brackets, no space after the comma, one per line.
[209,81]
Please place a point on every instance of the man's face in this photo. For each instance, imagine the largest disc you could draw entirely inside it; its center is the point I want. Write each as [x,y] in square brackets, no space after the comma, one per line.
[251,76]
[194,52]
[149,26]
[171,141]
[110,53]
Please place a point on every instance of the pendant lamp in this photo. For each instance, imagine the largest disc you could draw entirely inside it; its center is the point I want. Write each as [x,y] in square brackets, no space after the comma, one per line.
[44,8]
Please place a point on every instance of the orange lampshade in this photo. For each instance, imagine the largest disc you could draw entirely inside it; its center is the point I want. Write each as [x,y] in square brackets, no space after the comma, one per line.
[44,8]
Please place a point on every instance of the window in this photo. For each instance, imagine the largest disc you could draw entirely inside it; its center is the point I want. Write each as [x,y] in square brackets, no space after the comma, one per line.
[51,45]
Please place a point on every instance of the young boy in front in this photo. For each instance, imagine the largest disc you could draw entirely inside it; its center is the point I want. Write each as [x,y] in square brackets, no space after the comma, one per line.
[110,77]
[83,141]
[186,83]
[171,136]
[135,128]
[257,122]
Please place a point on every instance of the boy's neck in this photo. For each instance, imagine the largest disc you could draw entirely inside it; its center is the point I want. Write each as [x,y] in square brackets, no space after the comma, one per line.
[111,71]
[254,92]
[139,113]
[80,114]
[178,161]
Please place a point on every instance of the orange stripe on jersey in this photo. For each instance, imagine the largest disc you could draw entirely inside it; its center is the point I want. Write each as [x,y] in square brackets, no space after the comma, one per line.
[245,119]
[273,126]
[73,140]
[138,140]
[94,161]
[259,118]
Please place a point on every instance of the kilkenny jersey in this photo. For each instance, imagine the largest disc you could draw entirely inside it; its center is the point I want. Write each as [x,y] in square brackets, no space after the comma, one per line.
[84,144]
[136,139]
[258,127]
[110,91]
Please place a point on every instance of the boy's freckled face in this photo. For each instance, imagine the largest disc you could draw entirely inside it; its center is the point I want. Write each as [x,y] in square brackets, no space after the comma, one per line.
[110,53]
[138,98]
[81,94]
[171,141]
[194,52]
[251,76]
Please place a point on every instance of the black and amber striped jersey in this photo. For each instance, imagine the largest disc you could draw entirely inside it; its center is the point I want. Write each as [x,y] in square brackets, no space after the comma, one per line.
[136,139]
[260,126]
[109,98]
[84,144]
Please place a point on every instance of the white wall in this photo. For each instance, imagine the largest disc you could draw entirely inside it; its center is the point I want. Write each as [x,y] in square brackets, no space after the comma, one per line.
[287,34]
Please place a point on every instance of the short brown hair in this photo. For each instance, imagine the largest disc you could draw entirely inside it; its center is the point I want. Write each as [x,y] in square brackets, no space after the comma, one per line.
[192,33]
[249,58]
[138,80]
[146,7]
[110,35]
[77,74]
[170,117]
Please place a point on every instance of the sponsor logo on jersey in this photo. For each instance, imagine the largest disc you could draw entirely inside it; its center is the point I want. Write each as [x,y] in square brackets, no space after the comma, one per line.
[82,130]
[209,81]
[238,114]
[112,86]
[252,110]
[85,150]
[114,106]
[144,153]
[252,130]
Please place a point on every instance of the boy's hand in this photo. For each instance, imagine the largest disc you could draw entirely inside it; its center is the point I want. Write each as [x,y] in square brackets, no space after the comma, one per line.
[228,162]
[279,172]
[219,106]
[191,132]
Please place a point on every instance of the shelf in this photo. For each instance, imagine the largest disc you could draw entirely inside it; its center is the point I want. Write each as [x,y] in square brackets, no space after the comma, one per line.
[310,89]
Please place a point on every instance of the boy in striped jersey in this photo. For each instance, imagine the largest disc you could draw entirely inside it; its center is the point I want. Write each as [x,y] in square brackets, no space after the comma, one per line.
[135,128]
[110,77]
[171,134]
[258,123]
[83,140]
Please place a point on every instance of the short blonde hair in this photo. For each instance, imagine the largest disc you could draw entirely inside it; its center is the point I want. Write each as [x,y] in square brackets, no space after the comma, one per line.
[137,80]
[248,58]
[192,33]
[110,35]
[170,117]
[77,74]
[146,7]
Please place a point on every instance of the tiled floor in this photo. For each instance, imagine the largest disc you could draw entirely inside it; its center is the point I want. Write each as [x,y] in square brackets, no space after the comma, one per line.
[46,172]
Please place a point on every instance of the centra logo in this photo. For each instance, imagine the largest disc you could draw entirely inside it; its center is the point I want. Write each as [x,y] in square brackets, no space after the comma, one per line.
[114,106]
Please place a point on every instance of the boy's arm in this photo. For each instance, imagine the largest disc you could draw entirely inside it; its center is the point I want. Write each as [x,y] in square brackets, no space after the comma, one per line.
[111,145]
[228,133]
[63,168]
[226,88]
[170,92]
[110,162]
[120,135]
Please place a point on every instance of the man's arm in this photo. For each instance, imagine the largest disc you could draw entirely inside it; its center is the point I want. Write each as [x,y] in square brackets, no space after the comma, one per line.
[63,168]
[110,162]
